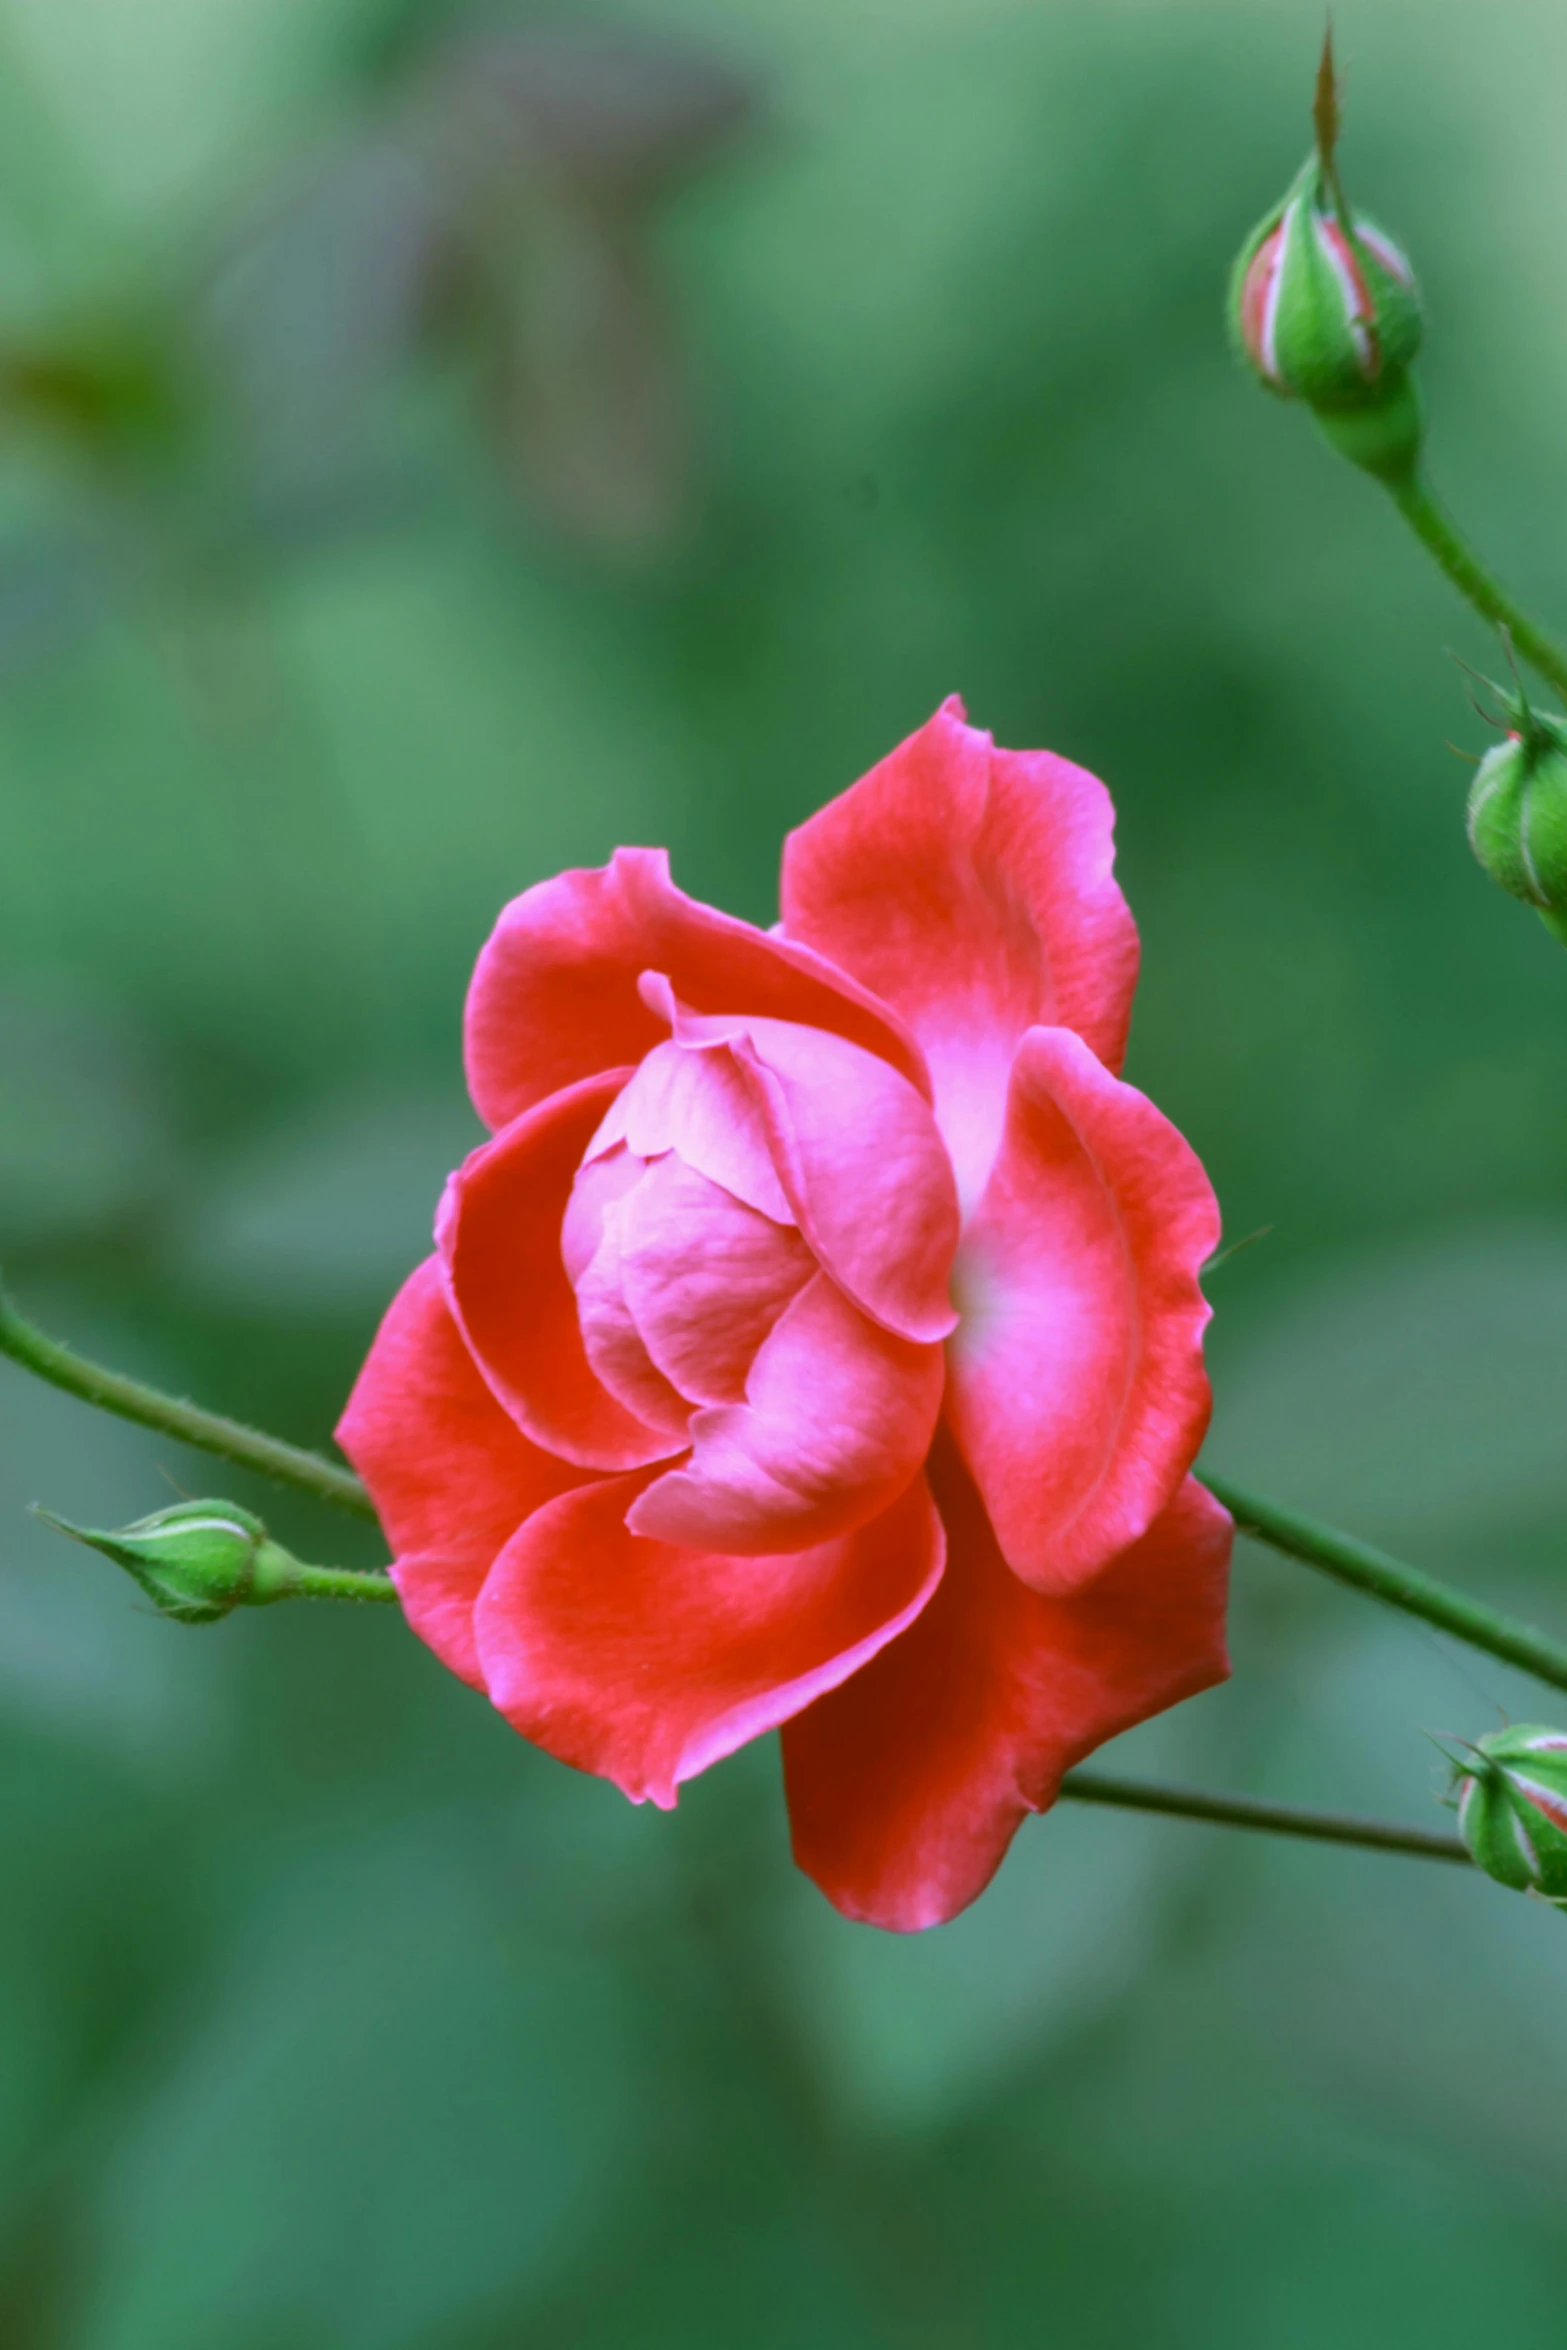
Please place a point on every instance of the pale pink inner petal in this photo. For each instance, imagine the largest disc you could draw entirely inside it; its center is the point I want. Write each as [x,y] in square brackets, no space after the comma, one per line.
[866,1171]
[857,1152]
[705,1278]
[598,1184]
[693,1100]
[614,1344]
[837,1420]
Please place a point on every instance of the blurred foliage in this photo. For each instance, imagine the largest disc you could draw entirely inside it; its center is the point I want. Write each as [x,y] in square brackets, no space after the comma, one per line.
[435,445]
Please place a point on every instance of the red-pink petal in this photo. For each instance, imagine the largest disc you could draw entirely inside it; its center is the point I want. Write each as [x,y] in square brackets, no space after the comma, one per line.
[646,1662]
[907,1784]
[1077,1390]
[452,1478]
[705,1278]
[500,1240]
[972,889]
[837,1419]
[554,995]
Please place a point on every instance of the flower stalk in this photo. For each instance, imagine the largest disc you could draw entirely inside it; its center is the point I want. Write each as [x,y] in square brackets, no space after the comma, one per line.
[1275,1819]
[131,1399]
[1376,1572]
[1435,531]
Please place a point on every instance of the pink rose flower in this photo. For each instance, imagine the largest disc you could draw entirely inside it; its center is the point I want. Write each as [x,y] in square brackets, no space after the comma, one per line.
[818,1341]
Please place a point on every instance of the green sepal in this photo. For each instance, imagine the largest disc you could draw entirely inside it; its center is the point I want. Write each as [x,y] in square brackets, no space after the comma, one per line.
[1507,1777]
[197,1561]
[1518,812]
[1383,436]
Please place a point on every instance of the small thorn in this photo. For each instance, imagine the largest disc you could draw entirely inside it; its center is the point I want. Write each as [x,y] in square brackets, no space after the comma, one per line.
[1223,1256]
[1325,108]
[1469,758]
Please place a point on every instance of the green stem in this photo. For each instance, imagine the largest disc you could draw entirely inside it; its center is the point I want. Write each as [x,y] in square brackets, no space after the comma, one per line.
[1275,1819]
[1367,1569]
[1468,574]
[210,1432]
[1300,1537]
[341,1583]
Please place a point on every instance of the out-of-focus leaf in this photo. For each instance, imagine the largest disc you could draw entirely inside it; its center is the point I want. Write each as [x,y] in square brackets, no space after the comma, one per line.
[83,1118]
[314,298]
[401,2111]
[557,141]
[1420,1395]
[333,1212]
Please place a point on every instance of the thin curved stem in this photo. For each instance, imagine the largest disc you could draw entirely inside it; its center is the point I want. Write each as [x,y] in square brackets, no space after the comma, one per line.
[1274,1819]
[1437,534]
[210,1432]
[1367,1569]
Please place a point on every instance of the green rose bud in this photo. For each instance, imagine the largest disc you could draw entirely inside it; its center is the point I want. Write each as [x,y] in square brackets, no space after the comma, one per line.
[1324,305]
[197,1561]
[1518,813]
[1513,1811]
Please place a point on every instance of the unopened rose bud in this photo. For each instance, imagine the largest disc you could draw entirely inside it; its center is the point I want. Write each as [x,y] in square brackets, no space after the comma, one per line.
[1513,1812]
[197,1561]
[1324,305]
[1518,813]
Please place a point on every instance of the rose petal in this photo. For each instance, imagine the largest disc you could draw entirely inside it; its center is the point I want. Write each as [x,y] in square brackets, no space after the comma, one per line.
[865,1172]
[705,1278]
[862,1167]
[615,1346]
[698,1103]
[597,1184]
[972,889]
[452,1478]
[1078,1392]
[907,1784]
[554,995]
[837,1419]
[499,1236]
[646,1662]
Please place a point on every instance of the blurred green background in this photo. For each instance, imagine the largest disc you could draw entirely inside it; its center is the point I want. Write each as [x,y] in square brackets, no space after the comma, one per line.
[435,446]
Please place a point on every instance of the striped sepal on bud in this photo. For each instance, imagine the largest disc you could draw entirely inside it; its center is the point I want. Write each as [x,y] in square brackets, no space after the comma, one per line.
[1324,305]
[197,1561]
[1513,1810]
[1518,812]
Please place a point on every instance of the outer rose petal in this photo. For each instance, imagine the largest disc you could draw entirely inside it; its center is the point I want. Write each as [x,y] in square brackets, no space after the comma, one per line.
[1078,1393]
[554,994]
[907,1784]
[451,1476]
[499,1234]
[837,1419]
[645,1662]
[972,889]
